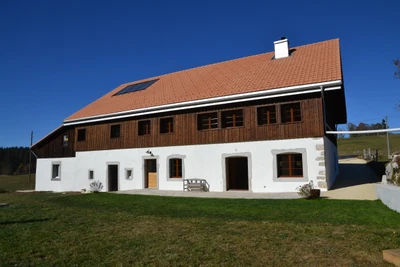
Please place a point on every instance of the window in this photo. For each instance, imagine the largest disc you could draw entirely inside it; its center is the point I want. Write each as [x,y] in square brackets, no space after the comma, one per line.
[65,140]
[81,134]
[91,174]
[290,165]
[167,125]
[128,174]
[266,115]
[232,118]
[207,121]
[144,127]
[56,171]
[175,168]
[136,87]
[290,112]
[115,131]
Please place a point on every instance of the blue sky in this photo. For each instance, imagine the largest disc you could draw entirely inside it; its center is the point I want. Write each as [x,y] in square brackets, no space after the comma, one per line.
[58,56]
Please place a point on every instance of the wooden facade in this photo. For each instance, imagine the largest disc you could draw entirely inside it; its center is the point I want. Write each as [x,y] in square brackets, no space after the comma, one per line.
[185,129]
[54,145]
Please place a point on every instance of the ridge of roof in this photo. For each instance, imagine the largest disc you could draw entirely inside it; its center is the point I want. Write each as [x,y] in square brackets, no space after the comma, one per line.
[220,62]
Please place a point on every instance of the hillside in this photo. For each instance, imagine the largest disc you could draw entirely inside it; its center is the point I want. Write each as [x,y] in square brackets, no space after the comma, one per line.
[355,145]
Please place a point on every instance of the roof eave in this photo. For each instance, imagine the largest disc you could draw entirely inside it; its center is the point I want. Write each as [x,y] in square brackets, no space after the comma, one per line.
[277,92]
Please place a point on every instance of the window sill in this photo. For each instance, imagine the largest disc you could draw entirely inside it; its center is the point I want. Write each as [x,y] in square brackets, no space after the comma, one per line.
[55,179]
[175,179]
[266,125]
[204,130]
[294,122]
[294,179]
[233,127]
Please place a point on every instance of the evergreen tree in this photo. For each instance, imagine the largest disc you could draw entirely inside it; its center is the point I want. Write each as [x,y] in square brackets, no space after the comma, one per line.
[15,160]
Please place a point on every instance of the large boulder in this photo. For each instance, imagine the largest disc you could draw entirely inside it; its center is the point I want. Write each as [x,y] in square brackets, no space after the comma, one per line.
[393,170]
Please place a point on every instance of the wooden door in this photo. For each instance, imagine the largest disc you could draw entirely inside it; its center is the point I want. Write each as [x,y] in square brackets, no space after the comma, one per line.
[151,173]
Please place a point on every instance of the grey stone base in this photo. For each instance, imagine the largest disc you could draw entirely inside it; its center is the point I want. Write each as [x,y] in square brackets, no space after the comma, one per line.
[389,195]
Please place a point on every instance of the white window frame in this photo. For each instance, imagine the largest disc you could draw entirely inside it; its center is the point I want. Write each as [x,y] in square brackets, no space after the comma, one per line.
[126,174]
[58,176]
[303,152]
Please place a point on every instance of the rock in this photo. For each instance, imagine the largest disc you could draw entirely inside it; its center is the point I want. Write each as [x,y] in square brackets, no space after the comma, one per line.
[389,171]
[384,181]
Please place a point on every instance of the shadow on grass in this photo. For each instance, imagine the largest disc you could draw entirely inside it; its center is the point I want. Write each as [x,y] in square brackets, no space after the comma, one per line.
[25,221]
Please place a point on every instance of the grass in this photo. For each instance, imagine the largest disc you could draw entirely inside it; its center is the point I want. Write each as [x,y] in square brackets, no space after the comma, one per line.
[104,229]
[16,182]
[50,229]
[355,145]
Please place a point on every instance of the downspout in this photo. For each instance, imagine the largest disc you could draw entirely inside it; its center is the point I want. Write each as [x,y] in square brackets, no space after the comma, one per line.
[326,126]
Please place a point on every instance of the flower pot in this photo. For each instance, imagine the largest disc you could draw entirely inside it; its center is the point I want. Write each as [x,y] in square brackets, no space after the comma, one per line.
[315,193]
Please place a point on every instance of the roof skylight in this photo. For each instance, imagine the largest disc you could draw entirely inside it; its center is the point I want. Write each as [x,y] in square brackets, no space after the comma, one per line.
[136,87]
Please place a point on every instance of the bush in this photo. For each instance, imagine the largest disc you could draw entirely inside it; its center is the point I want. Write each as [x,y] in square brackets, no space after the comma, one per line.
[3,191]
[308,191]
[96,186]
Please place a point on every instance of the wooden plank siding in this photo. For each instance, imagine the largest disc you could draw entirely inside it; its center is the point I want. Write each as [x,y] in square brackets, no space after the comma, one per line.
[53,146]
[185,129]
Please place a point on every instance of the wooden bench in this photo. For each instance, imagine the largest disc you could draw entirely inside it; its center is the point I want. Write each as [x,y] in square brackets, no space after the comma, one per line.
[195,184]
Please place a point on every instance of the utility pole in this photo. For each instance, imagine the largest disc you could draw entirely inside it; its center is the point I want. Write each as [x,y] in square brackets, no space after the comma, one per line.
[387,138]
[30,158]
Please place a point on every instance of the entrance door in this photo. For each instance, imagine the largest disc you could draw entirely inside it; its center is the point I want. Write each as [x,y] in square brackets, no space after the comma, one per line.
[237,173]
[150,173]
[112,177]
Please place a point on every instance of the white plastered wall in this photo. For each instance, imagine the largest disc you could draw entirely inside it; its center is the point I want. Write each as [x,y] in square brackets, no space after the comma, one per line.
[331,162]
[200,161]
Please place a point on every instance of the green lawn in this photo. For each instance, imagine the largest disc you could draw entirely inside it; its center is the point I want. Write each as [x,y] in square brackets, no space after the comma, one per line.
[49,229]
[350,146]
[16,182]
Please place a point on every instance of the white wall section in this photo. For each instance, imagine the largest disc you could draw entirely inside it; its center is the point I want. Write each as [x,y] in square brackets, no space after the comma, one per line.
[331,162]
[200,161]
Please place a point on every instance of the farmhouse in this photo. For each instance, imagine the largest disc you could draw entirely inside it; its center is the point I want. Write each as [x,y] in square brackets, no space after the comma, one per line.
[256,123]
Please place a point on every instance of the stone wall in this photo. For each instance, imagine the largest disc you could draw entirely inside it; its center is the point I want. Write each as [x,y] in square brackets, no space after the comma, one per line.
[389,195]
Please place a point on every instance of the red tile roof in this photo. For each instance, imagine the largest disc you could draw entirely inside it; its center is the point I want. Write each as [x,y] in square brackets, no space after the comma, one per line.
[313,63]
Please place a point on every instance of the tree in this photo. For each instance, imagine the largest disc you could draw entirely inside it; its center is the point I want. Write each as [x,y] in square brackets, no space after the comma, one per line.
[384,124]
[351,127]
[340,136]
[15,160]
